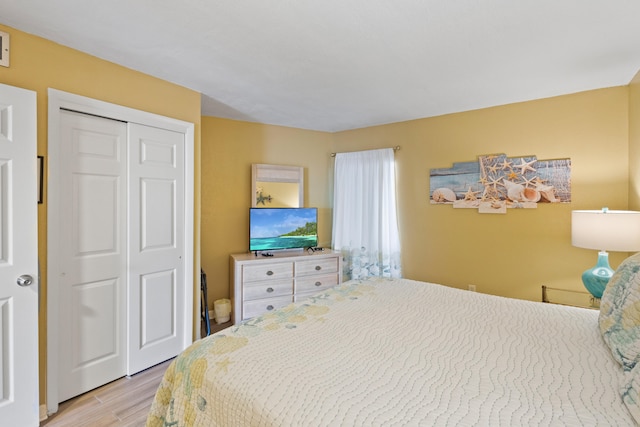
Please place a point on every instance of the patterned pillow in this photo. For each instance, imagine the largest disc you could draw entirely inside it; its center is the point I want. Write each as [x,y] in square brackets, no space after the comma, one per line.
[630,393]
[620,313]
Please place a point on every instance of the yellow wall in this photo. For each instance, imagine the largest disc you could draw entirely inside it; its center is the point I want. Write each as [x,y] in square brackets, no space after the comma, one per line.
[634,143]
[229,148]
[510,255]
[38,64]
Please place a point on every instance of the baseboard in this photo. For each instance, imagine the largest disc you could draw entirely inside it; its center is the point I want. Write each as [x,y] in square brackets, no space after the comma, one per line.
[43,412]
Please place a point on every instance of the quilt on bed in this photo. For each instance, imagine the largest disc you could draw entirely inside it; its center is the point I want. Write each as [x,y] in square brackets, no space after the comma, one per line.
[398,352]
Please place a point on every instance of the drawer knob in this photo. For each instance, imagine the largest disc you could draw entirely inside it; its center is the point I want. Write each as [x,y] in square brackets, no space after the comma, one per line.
[318,283]
[269,307]
[269,289]
[318,268]
[269,273]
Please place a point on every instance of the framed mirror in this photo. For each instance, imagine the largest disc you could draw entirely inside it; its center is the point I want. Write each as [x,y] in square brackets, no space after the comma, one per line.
[275,186]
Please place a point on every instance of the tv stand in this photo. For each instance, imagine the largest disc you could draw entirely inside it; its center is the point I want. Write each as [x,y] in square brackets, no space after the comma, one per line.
[259,284]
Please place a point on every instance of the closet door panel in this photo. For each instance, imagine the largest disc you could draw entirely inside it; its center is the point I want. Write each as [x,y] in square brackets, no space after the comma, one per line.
[92,253]
[156,219]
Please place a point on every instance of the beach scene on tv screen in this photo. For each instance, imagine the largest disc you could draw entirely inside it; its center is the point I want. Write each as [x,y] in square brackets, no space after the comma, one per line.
[283,229]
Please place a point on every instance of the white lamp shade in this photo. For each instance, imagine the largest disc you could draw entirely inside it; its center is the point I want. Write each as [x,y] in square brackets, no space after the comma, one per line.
[606,230]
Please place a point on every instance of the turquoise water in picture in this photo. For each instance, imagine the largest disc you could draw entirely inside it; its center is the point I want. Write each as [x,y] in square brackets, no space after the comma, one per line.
[269,243]
[282,228]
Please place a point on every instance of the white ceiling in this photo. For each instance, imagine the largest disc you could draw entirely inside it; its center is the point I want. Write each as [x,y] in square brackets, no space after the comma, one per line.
[333,65]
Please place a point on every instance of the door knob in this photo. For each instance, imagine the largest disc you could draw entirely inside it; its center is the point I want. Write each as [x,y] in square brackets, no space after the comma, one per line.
[25,280]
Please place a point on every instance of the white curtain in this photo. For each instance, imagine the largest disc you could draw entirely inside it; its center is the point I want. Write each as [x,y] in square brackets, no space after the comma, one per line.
[365,223]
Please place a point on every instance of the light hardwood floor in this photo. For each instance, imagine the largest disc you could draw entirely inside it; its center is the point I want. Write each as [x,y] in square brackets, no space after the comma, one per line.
[124,402]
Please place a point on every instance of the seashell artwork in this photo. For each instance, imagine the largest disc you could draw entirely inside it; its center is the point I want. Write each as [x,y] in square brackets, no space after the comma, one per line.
[547,193]
[530,195]
[443,195]
[515,192]
[499,181]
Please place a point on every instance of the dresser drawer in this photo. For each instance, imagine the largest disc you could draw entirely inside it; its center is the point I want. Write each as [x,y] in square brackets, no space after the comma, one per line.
[316,266]
[317,283]
[280,270]
[260,306]
[268,289]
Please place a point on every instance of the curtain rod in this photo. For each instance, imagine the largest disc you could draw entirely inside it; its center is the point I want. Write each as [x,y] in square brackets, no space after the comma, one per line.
[396,148]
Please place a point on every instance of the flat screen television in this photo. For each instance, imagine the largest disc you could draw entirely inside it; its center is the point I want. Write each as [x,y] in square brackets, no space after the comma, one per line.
[282,228]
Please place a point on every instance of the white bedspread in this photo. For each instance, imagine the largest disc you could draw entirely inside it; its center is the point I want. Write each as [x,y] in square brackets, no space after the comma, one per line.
[399,352]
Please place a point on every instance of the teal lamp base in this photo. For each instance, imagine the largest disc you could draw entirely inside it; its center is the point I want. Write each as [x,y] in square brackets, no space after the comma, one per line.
[595,279]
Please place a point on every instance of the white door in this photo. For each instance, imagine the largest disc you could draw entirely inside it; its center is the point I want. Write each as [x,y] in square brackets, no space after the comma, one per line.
[157,244]
[18,259]
[120,225]
[92,253]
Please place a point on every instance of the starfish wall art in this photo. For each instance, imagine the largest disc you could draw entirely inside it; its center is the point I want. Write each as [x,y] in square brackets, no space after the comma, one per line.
[494,183]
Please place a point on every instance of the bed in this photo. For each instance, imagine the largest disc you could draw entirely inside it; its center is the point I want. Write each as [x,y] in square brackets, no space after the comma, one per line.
[382,352]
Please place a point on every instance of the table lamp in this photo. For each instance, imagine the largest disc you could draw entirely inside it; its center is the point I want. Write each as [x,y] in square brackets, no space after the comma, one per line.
[604,230]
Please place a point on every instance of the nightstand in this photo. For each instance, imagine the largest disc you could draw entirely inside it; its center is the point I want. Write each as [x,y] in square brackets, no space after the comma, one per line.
[569,297]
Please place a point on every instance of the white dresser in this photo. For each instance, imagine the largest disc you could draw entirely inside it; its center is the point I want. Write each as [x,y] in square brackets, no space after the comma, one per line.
[261,284]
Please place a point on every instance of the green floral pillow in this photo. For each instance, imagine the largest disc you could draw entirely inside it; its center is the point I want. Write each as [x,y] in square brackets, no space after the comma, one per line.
[620,313]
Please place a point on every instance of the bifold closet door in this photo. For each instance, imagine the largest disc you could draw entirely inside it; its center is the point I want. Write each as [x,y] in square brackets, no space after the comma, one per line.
[92,282]
[121,282]
[156,251]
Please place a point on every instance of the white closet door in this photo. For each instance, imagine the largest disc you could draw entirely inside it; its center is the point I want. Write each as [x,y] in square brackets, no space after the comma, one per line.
[156,220]
[92,283]
[18,258]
